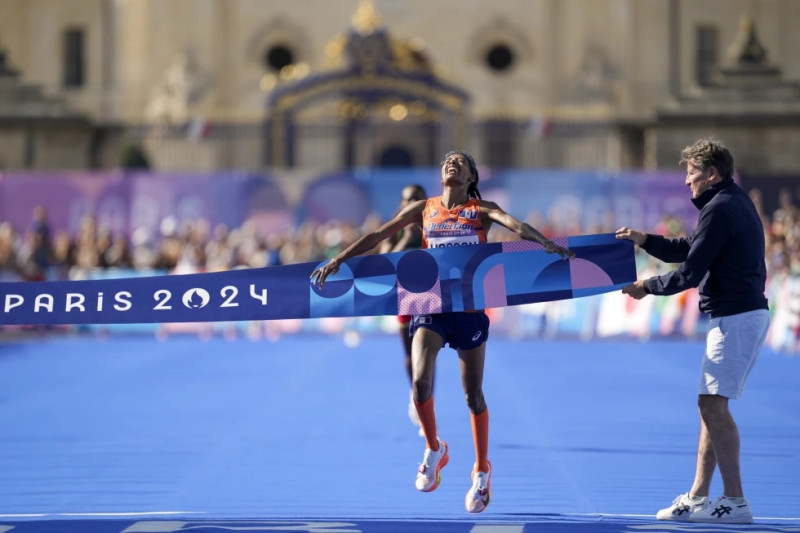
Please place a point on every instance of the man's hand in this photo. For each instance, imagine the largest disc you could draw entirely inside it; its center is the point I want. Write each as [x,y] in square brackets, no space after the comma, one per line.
[635,290]
[637,237]
[552,247]
[319,275]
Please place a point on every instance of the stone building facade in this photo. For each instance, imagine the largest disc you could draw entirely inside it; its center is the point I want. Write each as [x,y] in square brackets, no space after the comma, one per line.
[212,84]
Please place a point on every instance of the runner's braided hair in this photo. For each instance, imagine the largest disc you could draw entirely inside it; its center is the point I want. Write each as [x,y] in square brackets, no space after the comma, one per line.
[472,190]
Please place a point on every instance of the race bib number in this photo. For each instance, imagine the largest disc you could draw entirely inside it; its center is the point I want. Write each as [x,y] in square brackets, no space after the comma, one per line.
[458,240]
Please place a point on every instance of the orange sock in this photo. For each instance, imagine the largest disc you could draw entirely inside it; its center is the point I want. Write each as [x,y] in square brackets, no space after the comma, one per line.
[480,433]
[427,419]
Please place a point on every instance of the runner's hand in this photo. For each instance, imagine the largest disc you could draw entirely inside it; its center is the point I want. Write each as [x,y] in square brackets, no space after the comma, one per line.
[319,275]
[565,253]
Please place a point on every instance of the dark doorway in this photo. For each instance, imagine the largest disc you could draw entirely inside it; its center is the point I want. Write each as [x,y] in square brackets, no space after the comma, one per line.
[396,156]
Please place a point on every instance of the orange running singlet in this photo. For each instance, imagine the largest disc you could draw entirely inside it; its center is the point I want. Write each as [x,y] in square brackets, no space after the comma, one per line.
[443,227]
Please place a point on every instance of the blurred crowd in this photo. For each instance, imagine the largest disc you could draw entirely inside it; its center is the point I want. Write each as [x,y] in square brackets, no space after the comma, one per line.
[38,253]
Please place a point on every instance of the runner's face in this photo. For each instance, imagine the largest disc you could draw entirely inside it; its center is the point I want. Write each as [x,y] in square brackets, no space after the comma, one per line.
[455,171]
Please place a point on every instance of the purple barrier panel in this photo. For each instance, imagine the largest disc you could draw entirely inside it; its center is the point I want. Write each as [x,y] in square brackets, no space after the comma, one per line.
[68,197]
[560,201]
[335,197]
[123,202]
[643,199]
[385,185]
[774,190]
[216,198]
[573,201]
[266,207]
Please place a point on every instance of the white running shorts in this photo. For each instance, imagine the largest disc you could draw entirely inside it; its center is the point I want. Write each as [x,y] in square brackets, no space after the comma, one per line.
[732,347]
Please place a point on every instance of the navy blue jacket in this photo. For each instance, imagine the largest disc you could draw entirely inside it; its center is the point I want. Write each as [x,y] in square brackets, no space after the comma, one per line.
[724,255]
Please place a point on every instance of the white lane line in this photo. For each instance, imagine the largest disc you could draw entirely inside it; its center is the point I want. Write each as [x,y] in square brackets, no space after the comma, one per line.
[498,528]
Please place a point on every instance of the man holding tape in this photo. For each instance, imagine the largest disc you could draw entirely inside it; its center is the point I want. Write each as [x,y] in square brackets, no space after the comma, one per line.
[724,256]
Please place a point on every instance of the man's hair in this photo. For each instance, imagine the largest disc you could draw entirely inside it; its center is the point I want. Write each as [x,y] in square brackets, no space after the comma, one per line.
[707,153]
[472,190]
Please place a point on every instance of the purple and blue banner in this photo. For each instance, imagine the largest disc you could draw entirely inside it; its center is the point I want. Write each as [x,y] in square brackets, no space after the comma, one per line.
[461,278]
[566,202]
[124,202]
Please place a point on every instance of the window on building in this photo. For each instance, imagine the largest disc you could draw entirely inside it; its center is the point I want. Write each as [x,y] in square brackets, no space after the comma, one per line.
[499,141]
[499,57]
[74,70]
[706,54]
[278,56]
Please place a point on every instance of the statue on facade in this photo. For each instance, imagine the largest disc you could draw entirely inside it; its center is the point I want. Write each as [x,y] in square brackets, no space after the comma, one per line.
[183,86]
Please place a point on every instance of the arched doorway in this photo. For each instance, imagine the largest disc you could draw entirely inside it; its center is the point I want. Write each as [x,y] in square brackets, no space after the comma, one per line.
[396,156]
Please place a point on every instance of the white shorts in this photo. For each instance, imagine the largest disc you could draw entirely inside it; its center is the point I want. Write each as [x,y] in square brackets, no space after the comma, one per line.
[732,347]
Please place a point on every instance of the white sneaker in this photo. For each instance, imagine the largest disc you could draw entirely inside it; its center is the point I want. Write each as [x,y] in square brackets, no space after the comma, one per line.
[724,511]
[682,508]
[479,495]
[428,476]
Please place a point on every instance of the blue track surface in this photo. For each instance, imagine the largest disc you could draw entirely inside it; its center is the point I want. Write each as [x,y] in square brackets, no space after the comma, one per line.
[136,435]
